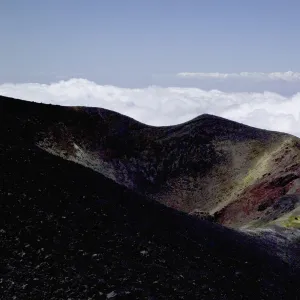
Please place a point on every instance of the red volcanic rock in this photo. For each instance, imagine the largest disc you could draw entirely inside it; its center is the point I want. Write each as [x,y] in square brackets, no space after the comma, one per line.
[246,208]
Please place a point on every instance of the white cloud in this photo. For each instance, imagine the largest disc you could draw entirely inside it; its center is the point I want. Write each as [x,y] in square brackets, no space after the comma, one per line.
[168,106]
[284,76]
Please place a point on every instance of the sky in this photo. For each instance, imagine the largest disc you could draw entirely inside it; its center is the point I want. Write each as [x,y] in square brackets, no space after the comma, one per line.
[127,42]
[213,53]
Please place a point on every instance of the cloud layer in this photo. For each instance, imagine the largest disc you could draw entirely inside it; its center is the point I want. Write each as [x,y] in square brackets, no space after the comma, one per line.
[284,76]
[167,106]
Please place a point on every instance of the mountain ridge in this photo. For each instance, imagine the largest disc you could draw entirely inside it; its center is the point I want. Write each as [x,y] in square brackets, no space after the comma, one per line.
[207,166]
[69,232]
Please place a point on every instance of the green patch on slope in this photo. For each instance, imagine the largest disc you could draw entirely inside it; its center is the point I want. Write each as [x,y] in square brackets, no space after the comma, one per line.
[260,163]
[292,222]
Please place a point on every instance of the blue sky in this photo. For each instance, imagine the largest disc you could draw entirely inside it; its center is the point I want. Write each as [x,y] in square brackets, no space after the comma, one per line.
[134,42]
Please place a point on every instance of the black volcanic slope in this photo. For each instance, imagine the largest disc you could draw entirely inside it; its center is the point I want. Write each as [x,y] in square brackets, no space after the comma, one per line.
[67,232]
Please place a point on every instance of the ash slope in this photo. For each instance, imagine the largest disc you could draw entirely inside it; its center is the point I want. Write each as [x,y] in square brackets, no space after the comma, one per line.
[68,232]
[208,165]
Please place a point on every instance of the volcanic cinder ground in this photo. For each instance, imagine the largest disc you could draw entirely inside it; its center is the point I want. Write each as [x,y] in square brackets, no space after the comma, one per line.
[95,205]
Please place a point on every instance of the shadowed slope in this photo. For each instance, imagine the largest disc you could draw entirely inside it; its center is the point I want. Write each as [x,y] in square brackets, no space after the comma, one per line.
[68,232]
[207,165]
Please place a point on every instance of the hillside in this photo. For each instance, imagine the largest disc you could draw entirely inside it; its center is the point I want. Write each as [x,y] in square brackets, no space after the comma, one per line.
[209,166]
[68,232]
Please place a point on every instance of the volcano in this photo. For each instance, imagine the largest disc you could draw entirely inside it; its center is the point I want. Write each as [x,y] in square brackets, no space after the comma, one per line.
[95,205]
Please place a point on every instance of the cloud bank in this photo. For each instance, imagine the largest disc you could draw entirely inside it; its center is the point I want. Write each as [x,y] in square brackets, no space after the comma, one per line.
[283,76]
[168,105]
